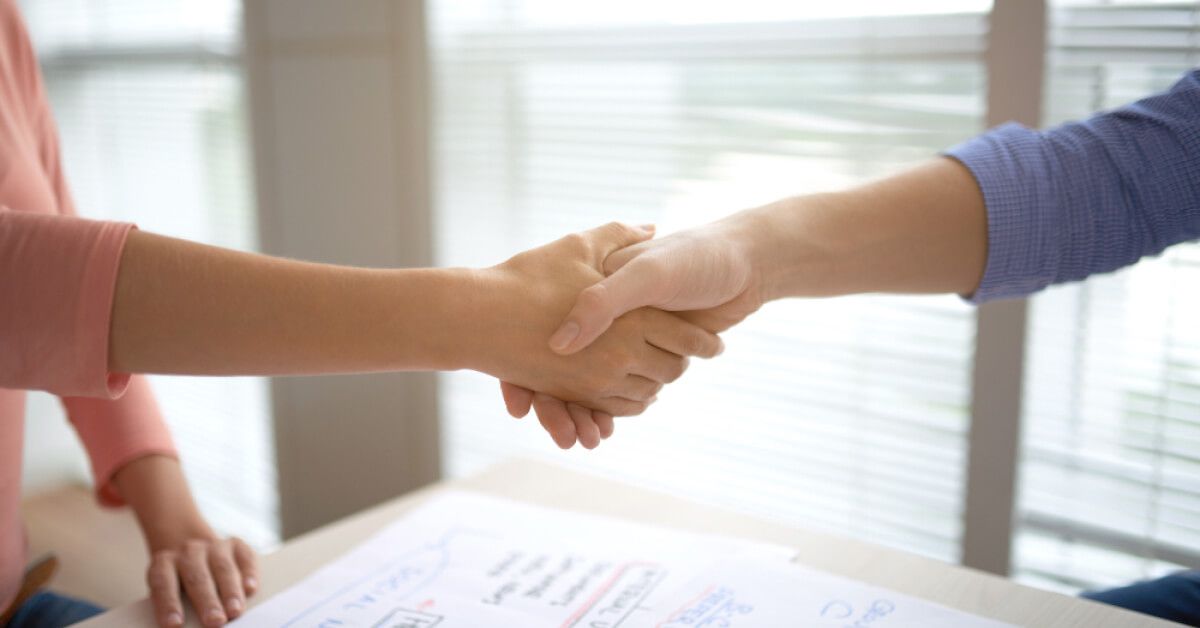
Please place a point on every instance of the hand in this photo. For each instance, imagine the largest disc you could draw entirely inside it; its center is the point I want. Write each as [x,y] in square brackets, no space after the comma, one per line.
[618,375]
[217,575]
[707,270]
[651,272]
[565,422]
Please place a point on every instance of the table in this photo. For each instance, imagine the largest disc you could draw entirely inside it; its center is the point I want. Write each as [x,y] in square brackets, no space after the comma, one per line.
[549,485]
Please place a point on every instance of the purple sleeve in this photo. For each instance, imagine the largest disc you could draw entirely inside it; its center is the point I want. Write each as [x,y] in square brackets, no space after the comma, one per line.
[1087,197]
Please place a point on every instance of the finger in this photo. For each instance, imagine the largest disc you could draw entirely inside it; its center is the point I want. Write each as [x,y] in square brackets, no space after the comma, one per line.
[712,319]
[516,399]
[621,257]
[722,317]
[604,421]
[631,287]
[658,365]
[620,406]
[163,582]
[247,562]
[556,419]
[228,578]
[638,387]
[595,308]
[198,582]
[676,335]
[585,426]
[615,236]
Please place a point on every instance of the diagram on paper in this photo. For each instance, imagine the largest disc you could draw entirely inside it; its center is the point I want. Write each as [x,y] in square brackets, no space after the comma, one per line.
[743,593]
[526,566]
[465,560]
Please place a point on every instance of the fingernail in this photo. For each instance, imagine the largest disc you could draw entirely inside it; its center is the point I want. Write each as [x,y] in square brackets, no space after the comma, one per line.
[234,604]
[252,584]
[648,227]
[565,334]
[174,619]
[214,616]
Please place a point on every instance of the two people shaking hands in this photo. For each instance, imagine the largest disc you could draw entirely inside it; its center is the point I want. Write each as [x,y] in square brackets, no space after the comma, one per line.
[580,330]
[583,329]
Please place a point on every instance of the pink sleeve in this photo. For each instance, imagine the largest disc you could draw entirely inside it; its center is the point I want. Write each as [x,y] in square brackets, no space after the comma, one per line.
[57,278]
[117,432]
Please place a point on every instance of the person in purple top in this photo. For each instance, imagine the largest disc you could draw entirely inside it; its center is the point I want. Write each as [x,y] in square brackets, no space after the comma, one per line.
[1002,215]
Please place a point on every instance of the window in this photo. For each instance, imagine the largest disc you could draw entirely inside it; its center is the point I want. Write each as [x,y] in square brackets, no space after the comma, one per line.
[149,101]
[1110,466]
[844,414]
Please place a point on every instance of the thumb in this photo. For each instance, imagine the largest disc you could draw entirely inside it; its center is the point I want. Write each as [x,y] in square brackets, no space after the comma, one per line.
[598,306]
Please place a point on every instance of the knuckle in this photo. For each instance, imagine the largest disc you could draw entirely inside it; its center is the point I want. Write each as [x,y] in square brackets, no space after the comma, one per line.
[596,296]
[196,546]
[224,568]
[158,581]
[617,228]
[576,240]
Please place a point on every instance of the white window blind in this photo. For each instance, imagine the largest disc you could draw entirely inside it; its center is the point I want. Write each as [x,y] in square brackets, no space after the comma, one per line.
[1110,476]
[842,414]
[150,106]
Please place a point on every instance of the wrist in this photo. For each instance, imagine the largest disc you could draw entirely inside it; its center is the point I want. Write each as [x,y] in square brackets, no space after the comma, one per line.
[490,319]
[154,487]
[172,531]
[749,236]
[428,319]
[468,312]
[791,247]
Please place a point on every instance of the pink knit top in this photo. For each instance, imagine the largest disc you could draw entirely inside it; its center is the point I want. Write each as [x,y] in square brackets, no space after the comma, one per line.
[57,276]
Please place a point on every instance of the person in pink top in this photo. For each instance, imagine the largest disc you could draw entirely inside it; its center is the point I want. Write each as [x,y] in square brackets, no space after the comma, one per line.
[84,304]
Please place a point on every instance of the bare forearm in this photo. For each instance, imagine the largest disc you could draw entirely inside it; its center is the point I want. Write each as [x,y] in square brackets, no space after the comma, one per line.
[922,231]
[216,574]
[154,487]
[188,308]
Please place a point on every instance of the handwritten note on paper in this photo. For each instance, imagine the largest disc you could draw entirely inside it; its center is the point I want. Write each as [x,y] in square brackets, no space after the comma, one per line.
[469,560]
[742,593]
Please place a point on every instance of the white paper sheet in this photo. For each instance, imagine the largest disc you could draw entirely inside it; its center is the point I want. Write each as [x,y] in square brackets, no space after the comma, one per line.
[467,560]
[752,593]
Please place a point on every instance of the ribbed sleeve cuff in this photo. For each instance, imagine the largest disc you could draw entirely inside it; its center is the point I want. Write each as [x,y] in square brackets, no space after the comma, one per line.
[58,276]
[94,315]
[1005,163]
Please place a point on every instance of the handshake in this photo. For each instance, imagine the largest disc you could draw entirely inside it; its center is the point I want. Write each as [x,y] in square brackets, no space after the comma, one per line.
[592,326]
[580,330]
